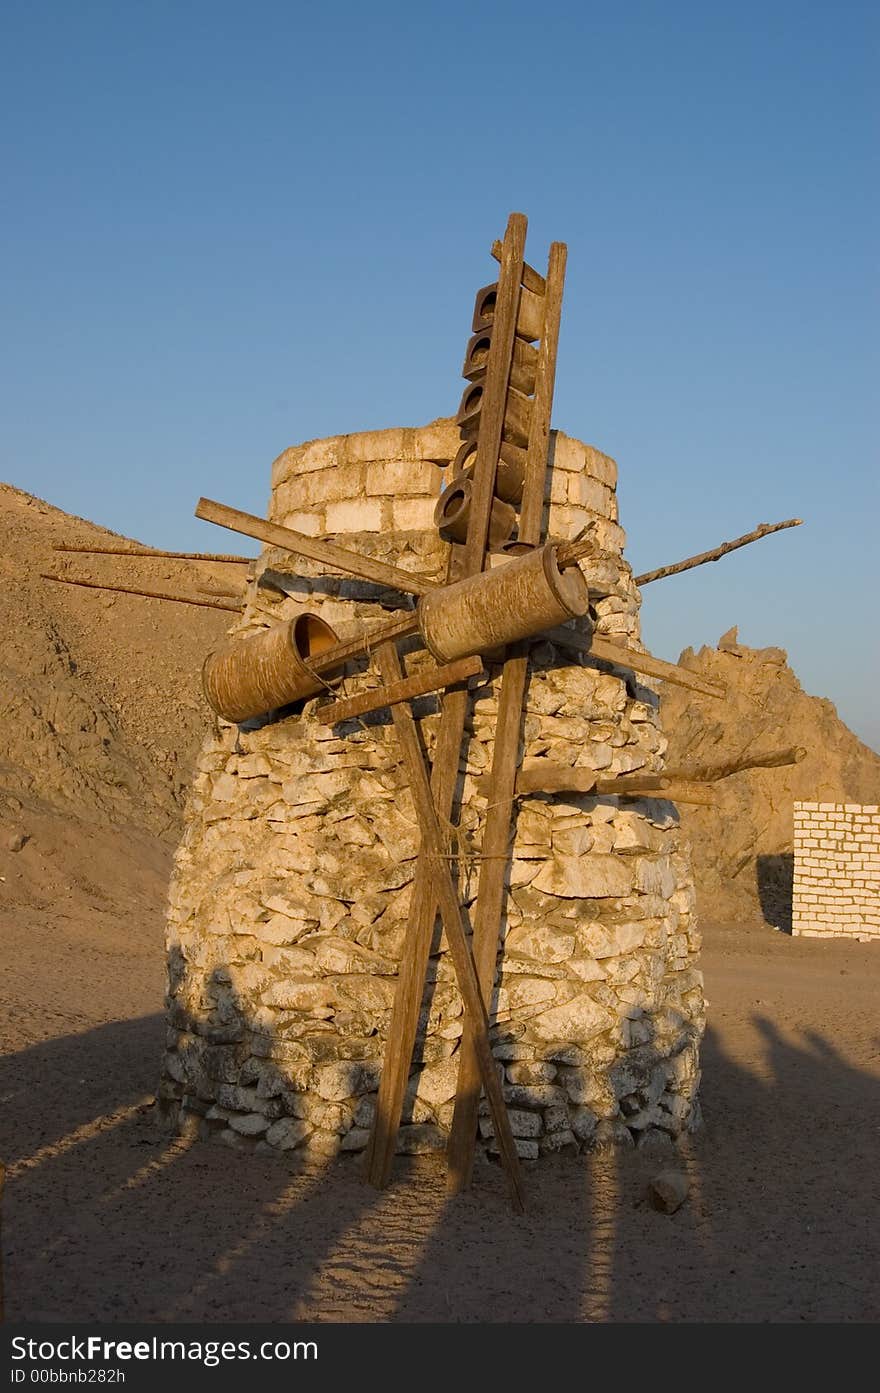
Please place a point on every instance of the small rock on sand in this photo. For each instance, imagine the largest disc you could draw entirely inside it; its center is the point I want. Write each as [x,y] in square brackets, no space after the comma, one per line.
[668,1191]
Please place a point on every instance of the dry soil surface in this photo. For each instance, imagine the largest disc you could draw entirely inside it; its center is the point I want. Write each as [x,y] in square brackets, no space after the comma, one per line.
[106,1219]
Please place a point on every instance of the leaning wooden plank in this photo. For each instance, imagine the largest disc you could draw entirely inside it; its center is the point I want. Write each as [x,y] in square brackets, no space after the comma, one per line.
[765,529]
[451,915]
[495,392]
[154,551]
[414,955]
[622,656]
[496,833]
[337,558]
[147,594]
[532,512]
[464,561]
[494,849]
[654,667]
[431,680]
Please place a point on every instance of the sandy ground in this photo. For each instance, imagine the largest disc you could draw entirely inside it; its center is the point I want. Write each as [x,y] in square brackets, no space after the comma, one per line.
[104,1219]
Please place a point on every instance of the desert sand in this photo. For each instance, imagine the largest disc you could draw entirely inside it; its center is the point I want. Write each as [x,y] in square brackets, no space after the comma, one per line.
[107,1219]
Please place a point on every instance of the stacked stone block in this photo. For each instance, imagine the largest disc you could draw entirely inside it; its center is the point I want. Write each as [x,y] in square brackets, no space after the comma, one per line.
[836,891]
[293,881]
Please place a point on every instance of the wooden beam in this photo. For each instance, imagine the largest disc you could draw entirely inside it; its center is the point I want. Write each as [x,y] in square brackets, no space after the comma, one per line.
[532,512]
[336,558]
[570,553]
[495,392]
[419,684]
[666,789]
[531,279]
[674,790]
[540,776]
[765,529]
[622,656]
[434,848]
[495,846]
[414,954]
[365,643]
[154,551]
[464,561]
[495,851]
[147,594]
[711,773]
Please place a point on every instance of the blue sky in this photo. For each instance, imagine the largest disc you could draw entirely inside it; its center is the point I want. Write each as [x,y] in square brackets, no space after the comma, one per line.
[228,228]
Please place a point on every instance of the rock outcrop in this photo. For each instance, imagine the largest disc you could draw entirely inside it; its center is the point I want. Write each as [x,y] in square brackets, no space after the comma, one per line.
[742,850]
[100,719]
[100,707]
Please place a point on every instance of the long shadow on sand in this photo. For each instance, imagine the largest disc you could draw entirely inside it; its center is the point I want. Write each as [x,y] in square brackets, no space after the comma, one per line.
[108,1219]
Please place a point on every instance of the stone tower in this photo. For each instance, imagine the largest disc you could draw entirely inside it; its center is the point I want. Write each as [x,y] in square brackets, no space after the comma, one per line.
[291,887]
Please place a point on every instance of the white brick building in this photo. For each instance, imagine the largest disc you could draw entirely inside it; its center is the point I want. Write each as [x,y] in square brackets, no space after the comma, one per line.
[836,889]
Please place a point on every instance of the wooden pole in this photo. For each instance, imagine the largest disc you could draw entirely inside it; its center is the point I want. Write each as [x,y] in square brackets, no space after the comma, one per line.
[463,562]
[495,392]
[569,553]
[532,514]
[495,846]
[336,558]
[153,551]
[414,954]
[669,789]
[763,530]
[419,684]
[147,594]
[711,773]
[622,656]
[450,909]
[365,643]
[540,776]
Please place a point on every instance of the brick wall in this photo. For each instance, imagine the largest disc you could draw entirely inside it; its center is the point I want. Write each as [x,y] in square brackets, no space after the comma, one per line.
[836,870]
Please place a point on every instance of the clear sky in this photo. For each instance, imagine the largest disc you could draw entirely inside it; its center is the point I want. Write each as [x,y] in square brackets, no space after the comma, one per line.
[231,227]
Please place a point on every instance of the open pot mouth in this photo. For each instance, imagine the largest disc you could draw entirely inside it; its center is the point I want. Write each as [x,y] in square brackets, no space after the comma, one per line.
[311,636]
[486,304]
[452,506]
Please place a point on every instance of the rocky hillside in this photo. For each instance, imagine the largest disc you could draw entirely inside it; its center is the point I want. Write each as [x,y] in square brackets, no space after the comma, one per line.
[742,848]
[100,707]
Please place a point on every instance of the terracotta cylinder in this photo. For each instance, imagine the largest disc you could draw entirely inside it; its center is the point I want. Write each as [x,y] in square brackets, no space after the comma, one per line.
[523,367]
[453,511]
[529,317]
[247,677]
[509,474]
[517,414]
[514,601]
